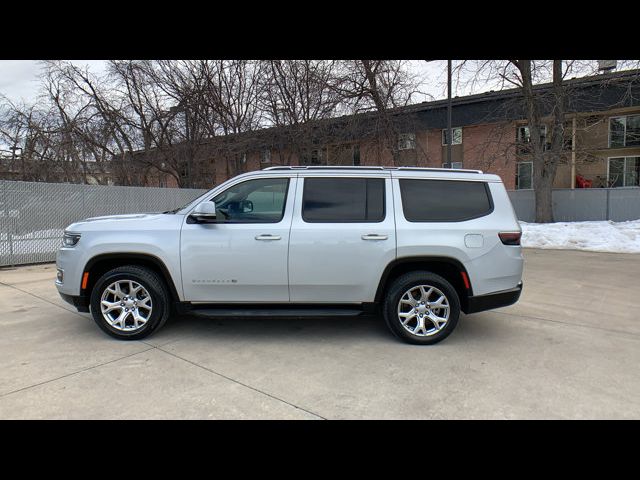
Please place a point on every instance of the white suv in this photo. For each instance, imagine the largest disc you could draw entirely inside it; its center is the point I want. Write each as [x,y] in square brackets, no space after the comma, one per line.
[416,244]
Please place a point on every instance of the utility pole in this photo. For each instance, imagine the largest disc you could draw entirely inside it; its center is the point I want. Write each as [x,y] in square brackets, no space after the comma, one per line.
[184,108]
[573,152]
[449,136]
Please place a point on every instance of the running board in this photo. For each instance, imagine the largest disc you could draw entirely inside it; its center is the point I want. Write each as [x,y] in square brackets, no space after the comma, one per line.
[275,312]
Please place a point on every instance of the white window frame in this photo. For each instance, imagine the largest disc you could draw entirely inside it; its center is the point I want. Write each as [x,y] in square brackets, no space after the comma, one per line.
[624,137]
[444,165]
[453,130]
[624,169]
[407,141]
[518,174]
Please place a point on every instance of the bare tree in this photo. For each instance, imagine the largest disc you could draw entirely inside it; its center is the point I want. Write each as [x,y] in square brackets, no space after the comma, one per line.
[540,106]
[295,96]
[380,86]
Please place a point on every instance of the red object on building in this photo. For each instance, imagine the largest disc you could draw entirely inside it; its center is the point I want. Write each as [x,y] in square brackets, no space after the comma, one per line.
[582,182]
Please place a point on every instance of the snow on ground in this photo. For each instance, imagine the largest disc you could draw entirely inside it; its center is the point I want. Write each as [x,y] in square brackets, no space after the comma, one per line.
[595,236]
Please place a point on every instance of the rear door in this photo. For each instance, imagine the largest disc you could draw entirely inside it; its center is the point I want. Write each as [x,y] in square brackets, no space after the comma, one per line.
[342,237]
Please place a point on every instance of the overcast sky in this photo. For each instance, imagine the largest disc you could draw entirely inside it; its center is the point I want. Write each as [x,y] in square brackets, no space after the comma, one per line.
[19,78]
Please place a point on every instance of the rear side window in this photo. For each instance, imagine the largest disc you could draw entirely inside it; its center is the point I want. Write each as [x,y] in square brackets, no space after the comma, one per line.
[444,200]
[343,200]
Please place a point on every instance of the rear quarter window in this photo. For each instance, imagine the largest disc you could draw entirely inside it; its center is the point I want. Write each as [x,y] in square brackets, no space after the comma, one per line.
[444,200]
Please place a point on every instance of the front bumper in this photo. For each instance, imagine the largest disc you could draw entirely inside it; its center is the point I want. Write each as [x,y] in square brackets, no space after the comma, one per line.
[480,303]
[81,302]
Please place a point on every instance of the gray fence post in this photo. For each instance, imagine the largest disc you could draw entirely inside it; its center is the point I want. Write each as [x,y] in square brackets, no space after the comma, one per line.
[608,204]
[7,222]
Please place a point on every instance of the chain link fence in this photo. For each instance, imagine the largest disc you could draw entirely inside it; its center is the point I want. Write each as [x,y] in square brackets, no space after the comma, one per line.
[33,215]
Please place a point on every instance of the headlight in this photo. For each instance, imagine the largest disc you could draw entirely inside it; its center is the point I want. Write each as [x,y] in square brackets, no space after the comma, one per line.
[70,239]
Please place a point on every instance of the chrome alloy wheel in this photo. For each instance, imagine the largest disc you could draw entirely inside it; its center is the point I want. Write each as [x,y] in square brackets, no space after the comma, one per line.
[126,305]
[423,310]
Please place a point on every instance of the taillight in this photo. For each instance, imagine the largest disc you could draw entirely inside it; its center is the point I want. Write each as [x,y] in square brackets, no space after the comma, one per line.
[510,238]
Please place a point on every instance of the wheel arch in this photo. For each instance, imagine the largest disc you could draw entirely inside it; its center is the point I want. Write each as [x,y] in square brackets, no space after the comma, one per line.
[100,264]
[449,268]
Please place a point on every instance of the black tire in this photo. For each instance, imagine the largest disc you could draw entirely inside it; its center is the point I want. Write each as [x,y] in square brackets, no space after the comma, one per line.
[152,282]
[401,285]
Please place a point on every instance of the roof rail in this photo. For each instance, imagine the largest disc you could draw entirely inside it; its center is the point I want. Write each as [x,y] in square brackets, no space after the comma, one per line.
[435,169]
[342,167]
[322,167]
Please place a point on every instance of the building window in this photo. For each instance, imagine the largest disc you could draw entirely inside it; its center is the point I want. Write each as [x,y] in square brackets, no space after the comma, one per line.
[265,156]
[356,155]
[407,141]
[456,133]
[523,137]
[524,176]
[314,157]
[623,172]
[452,165]
[624,131]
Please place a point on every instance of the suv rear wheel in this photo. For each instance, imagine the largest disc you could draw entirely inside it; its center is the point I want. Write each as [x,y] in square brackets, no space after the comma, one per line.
[130,302]
[421,308]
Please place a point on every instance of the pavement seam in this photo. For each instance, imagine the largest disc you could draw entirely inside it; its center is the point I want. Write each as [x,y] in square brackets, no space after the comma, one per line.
[73,373]
[530,318]
[41,298]
[238,382]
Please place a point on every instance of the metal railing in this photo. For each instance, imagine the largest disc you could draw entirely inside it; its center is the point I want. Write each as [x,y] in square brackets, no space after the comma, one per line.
[33,215]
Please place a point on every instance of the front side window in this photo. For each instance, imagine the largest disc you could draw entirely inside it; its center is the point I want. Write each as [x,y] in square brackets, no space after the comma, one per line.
[456,133]
[444,200]
[254,201]
[524,176]
[624,172]
[343,200]
[624,131]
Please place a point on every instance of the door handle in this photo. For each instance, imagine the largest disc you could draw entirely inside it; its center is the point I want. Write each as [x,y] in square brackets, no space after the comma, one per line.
[374,236]
[266,236]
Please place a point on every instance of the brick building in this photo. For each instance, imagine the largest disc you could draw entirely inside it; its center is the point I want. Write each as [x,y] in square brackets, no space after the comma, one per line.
[490,133]
[602,137]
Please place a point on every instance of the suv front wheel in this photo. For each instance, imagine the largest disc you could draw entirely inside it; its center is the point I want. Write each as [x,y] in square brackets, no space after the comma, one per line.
[421,307]
[130,302]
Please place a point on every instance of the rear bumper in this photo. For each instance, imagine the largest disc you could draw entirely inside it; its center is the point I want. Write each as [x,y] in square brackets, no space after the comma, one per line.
[480,303]
[80,301]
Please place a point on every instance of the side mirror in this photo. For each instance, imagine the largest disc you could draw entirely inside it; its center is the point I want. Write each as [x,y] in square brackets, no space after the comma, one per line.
[204,212]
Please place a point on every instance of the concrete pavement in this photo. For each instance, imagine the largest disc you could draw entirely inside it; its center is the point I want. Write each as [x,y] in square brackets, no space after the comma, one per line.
[569,349]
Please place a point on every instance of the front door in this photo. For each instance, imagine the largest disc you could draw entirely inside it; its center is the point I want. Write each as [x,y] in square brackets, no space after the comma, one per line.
[242,258]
